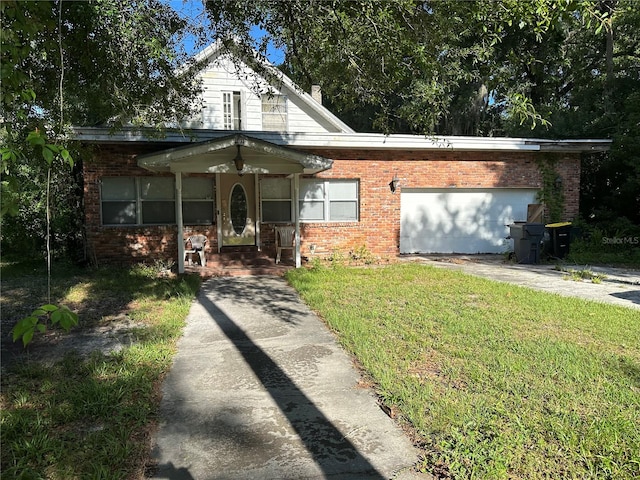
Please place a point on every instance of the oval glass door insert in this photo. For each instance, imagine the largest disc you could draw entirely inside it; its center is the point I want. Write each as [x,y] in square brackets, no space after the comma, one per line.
[238,209]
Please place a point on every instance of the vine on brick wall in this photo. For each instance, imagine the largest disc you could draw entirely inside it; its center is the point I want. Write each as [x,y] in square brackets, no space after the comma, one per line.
[551,193]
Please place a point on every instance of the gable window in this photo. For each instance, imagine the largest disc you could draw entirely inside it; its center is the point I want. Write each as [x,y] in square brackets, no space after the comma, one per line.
[274,113]
[328,200]
[198,201]
[232,111]
[276,200]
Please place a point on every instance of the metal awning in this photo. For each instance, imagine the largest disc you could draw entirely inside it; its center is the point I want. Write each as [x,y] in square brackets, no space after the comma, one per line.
[224,155]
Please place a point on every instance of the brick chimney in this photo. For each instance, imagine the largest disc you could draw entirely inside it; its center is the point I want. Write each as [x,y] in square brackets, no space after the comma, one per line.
[316,93]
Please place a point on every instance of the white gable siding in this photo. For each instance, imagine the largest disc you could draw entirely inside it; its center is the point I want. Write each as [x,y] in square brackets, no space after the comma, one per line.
[222,75]
[301,116]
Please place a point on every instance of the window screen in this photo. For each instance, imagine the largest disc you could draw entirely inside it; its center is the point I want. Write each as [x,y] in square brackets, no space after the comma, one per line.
[198,201]
[276,200]
[329,200]
[137,200]
[118,195]
[274,113]
[157,196]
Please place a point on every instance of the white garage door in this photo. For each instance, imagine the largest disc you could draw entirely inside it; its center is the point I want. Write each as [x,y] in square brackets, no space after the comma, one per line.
[460,220]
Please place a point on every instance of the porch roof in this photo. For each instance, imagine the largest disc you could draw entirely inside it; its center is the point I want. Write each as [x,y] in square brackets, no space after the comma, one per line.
[219,155]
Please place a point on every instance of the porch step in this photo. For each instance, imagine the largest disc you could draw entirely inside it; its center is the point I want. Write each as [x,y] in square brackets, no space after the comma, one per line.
[240,249]
[241,263]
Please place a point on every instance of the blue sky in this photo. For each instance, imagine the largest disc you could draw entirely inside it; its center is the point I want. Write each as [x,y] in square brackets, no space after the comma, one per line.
[194,9]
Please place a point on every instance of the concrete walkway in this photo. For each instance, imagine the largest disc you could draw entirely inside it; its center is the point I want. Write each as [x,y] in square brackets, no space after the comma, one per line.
[260,389]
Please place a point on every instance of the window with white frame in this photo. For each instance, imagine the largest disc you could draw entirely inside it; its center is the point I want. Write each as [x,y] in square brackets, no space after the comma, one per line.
[274,113]
[329,200]
[151,201]
[119,199]
[276,200]
[198,201]
[157,199]
[137,200]
[232,110]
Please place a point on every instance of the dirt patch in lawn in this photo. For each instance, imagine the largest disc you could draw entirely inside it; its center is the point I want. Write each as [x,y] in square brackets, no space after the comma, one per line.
[105,324]
[54,344]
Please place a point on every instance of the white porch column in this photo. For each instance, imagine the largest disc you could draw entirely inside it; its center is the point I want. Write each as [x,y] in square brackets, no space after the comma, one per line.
[218,213]
[257,220]
[179,222]
[296,213]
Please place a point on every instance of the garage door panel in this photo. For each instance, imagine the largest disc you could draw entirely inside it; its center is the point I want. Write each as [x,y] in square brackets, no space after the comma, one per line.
[460,221]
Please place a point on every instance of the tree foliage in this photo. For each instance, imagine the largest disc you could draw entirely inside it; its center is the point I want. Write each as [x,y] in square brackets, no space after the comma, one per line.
[94,62]
[39,320]
[591,88]
[550,68]
[63,63]
[424,67]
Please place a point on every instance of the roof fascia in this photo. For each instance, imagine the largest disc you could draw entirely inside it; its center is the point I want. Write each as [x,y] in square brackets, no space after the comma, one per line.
[362,141]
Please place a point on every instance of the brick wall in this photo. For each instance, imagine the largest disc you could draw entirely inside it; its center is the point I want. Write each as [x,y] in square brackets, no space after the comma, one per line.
[379,226]
[378,229]
[130,243]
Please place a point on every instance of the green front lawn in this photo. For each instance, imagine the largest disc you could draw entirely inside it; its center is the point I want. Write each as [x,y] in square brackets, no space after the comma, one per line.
[496,380]
[81,416]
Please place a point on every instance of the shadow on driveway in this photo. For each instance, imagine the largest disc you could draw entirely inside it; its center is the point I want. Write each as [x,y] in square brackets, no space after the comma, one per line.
[326,444]
[261,389]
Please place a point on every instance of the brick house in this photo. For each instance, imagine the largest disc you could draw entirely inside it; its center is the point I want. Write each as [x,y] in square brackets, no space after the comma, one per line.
[260,155]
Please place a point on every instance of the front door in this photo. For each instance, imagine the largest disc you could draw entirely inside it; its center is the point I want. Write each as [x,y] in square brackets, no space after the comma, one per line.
[237,210]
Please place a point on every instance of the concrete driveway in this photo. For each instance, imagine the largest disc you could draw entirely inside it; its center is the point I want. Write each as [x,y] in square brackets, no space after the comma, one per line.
[618,286]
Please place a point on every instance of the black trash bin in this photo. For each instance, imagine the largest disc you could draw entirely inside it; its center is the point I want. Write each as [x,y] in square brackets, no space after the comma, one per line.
[559,238]
[527,238]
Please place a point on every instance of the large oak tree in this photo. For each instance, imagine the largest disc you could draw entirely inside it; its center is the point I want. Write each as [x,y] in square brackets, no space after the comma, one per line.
[550,68]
